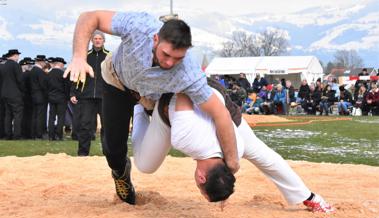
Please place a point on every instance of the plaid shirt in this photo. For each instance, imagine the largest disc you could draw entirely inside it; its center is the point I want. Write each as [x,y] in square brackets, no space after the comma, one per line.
[133,61]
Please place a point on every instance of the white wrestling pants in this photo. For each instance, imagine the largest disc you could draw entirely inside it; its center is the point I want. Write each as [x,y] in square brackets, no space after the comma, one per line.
[151,143]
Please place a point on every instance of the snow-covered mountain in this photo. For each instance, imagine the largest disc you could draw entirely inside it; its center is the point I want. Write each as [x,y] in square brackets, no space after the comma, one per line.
[315,31]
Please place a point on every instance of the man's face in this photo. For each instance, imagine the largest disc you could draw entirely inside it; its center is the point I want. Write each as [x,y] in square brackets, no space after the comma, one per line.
[165,55]
[98,41]
[59,65]
[41,63]
[288,84]
[15,57]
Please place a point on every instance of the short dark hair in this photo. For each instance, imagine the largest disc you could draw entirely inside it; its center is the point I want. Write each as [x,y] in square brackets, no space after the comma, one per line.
[176,32]
[220,183]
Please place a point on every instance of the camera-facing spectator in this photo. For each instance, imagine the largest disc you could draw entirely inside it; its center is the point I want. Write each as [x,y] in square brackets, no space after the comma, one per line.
[313,99]
[238,94]
[267,95]
[345,101]
[303,91]
[243,82]
[290,92]
[360,100]
[373,99]
[258,83]
[280,99]
[327,99]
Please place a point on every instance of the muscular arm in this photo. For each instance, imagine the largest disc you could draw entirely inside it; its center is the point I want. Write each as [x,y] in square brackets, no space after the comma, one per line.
[87,23]
[225,131]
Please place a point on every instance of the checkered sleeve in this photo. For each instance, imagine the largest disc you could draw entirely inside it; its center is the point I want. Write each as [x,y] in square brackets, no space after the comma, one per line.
[199,91]
[127,23]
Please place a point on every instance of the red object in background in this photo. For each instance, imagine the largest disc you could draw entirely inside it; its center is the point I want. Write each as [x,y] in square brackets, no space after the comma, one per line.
[363,77]
[269,87]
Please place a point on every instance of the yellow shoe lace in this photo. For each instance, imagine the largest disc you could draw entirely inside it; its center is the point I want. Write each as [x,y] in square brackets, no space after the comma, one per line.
[122,188]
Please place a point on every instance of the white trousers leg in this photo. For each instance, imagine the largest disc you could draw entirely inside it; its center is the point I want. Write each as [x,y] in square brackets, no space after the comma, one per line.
[273,166]
[151,140]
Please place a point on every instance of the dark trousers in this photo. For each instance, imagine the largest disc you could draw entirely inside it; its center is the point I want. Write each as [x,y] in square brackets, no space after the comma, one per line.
[86,110]
[118,108]
[27,117]
[75,120]
[324,107]
[68,115]
[39,119]
[2,117]
[13,112]
[57,110]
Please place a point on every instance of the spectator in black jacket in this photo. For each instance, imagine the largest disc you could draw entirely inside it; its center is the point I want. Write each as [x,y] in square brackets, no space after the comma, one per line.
[27,128]
[312,101]
[58,92]
[88,99]
[303,91]
[345,101]
[258,83]
[12,95]
[243,82]
[290,92]
[38,79]
[3,59]
[327,99]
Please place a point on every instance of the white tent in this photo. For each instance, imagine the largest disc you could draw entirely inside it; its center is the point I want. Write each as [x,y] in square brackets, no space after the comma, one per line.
[233,66]
[294,68]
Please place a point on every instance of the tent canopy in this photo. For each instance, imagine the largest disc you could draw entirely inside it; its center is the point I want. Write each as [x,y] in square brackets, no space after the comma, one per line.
[304,66]
[231,66]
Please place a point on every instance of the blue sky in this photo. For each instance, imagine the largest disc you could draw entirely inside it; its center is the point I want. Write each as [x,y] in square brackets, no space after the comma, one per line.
[313,27]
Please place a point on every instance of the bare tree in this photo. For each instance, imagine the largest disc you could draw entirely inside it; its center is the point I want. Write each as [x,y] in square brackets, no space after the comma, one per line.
[267,43]
[241,45]
[274,43]
[348,59]
[329,67]
[227,49]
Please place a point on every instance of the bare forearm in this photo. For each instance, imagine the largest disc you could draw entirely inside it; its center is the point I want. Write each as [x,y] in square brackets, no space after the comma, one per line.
[226,136]
[225,130]
[85,26]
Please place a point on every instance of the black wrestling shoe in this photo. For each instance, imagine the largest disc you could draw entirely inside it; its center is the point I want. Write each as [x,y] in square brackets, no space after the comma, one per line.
[124,187]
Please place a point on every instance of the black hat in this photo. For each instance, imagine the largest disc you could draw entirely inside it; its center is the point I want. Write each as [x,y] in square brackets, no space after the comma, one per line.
[23,62]
[51,60]
[27,60]
[59,59]
[12,52]
[40,58]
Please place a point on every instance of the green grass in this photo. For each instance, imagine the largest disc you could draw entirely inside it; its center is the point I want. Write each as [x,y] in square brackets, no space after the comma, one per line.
[355,141]
[24,148]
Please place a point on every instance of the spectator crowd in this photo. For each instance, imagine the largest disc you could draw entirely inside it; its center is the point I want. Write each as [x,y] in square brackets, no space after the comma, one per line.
[321,97]
[36,102]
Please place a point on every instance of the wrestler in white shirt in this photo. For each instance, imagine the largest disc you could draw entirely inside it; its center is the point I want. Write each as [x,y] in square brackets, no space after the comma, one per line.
[193,133]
